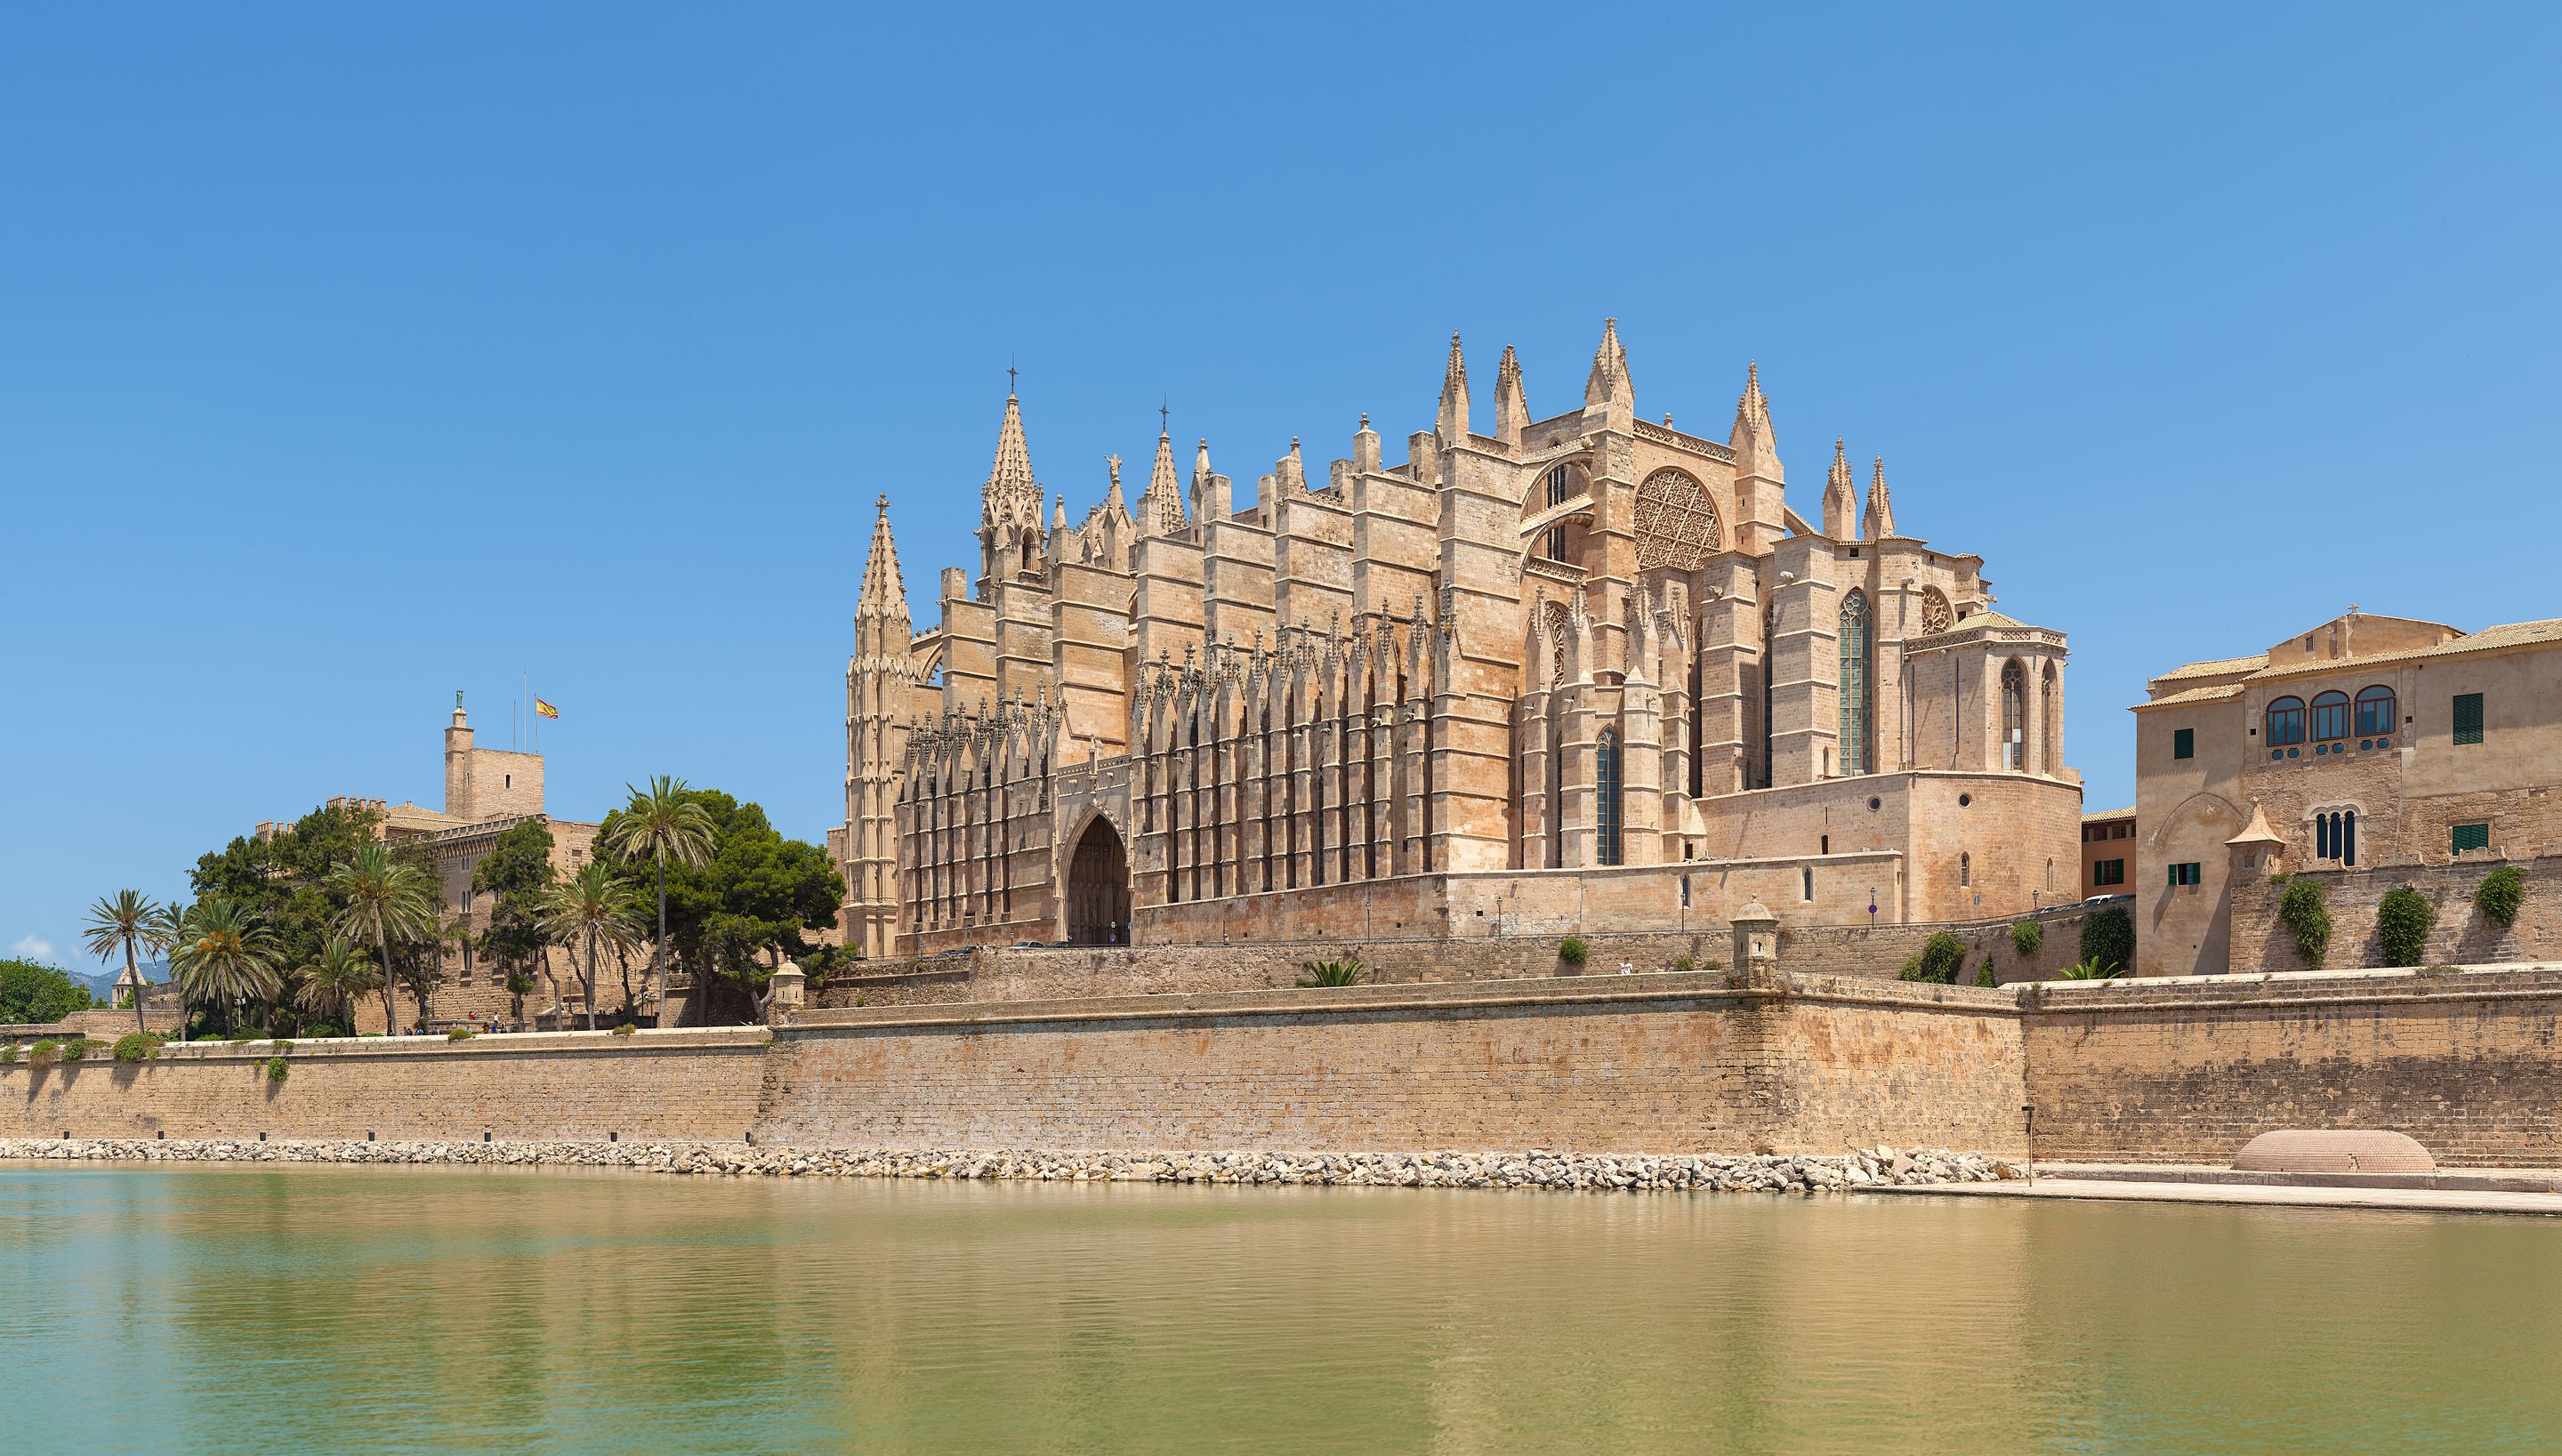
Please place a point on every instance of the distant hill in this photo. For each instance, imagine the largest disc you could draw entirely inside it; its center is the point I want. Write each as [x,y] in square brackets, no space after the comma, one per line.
[102,983]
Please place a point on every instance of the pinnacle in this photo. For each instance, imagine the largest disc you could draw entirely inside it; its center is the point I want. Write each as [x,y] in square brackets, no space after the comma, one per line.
[1012,492]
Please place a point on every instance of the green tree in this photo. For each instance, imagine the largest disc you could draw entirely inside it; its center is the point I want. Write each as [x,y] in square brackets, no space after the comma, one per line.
[41,993]
[384,900]
[226,957]
[162,932]
[2109,936]
[516,874]
[594,907]
[732,917]
[123,921]
[283,878]
[329,987]
[665,825]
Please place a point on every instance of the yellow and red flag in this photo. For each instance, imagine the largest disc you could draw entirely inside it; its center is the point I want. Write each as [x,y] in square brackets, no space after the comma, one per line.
[545,709]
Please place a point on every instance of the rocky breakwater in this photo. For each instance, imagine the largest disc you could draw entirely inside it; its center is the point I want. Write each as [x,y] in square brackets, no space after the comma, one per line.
[1542,1170]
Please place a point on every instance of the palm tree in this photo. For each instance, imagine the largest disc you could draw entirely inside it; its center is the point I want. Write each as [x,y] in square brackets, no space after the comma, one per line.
[226,957]
[660,824]
[386,899]
[331,983]
[591,905]
[162,931]
[123,919]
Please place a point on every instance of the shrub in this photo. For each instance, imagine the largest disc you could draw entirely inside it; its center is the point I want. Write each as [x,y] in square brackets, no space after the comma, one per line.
[1942,957]
[2501,893]
[277,1069]
[1912,969]
[42,1051]
[2091,970]
[323,1031]
[2109,936]
[137,1046]
[1684,963]
[627,1028]
[2306,910]
[2026,937]
[1347,971]
[1572,950]
[2402,923]
[460,1033]
[79,1048]
[282,1047]
[8,1053]
[1984,972]
[249,1033]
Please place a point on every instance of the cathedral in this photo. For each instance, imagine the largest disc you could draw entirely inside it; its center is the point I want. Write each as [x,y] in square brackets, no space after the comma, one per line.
[1578,673]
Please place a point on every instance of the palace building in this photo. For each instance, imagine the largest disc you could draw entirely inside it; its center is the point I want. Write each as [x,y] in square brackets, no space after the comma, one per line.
[1579,672]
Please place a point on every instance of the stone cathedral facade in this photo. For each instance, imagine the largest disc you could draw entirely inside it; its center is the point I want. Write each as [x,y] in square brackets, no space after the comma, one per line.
[1579,672]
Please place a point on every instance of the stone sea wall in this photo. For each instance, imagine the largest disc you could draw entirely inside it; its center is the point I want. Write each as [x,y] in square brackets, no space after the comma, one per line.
[2188,1069]
[651,1085]
[1670,1064]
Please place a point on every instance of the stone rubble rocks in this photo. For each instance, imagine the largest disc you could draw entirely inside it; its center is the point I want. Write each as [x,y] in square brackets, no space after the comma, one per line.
[1538,1169]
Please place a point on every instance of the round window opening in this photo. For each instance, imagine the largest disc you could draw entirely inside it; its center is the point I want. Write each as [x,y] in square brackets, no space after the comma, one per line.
[1872,805]
[1964,799]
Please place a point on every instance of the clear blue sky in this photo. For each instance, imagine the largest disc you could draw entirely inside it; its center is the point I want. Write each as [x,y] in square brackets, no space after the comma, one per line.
[348,357]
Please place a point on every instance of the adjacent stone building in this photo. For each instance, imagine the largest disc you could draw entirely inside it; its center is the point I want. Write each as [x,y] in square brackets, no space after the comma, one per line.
[2369,743]
[1585,671]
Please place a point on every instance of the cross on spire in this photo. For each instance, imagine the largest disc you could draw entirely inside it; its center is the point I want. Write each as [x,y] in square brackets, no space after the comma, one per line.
[1165,414]
[1011,372]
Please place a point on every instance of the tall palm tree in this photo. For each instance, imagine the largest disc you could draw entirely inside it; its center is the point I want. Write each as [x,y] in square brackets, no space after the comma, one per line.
[162,930]
[123,919]
[387,899]
[226,957]
[660,824]
[331,983]
[592,906]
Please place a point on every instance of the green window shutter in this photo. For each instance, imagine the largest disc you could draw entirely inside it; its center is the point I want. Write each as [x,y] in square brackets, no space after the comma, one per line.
[2469,717]
[2470,836]
[2183,743]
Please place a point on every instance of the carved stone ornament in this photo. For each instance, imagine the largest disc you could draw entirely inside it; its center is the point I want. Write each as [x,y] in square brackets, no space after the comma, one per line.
[1676,524]
[1935,613]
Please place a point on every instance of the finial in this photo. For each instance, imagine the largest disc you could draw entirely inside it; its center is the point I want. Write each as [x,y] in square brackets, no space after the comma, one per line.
[1114,460]
[881,502]
[1165,414]
[1365,424]
[457,700]
[1011,372]
[1668,419]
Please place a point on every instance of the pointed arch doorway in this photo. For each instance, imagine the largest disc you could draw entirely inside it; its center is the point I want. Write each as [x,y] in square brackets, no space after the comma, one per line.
[1098,887]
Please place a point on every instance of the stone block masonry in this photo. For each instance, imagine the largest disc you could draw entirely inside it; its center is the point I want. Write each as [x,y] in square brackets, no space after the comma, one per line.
[2188,1069]
[690,1085]
[1700,1062]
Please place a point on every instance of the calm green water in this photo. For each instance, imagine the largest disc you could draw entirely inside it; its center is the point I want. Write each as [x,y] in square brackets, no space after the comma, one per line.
[354,1309]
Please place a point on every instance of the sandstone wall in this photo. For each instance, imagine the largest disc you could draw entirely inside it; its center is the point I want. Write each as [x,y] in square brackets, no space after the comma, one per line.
[2189,1069]
[2459,936]
[654,1085]
[1685,1063]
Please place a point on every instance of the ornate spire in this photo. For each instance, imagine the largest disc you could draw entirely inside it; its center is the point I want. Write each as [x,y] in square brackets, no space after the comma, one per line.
[883,596]
[1841,499]
[1058,515]
[1609,380]
[1512,405]
[1011,495]
[1453,423]
[1880,511]
[1161,509]
[1754,442]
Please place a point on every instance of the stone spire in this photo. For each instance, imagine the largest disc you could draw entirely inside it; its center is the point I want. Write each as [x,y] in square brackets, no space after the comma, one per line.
[1160,507]
[1453,423]
[1209,488]
[1511,406]
[1112,493]
[1609,380]
[883,596]
[1058,515]
[1881,511]
[1841,501]
[1755,445]
[1012,495]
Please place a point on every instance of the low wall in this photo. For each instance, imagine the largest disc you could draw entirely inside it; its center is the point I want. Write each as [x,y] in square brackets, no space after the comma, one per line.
[2458,936]
[2187,1069]
[1668,1063]
[691,1085]
[1057,973]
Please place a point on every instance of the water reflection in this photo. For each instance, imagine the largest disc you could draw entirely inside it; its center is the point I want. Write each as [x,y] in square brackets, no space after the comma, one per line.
[382,1309]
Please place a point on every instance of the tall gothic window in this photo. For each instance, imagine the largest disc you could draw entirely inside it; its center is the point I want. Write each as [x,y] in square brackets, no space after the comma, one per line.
[2014,690]
[1858,676]
[2050,724]
[1606,780]
[1560,489]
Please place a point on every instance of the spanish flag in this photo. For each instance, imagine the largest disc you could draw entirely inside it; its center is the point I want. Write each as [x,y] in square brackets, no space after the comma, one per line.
[545,709]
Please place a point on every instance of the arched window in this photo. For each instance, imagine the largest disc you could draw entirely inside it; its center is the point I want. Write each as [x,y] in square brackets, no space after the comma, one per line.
[1606,780]
[1858,673]
[1562,486]
[2014,691]
[2377,713]
[2050,724]
[2331,716]
[2285,721]
[1806,885]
